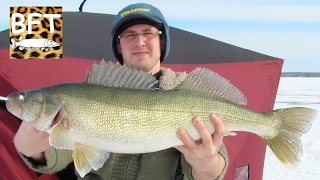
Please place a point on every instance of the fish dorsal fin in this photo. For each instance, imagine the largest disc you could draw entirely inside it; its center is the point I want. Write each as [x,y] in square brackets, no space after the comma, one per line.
[117,75]
[211,83]
[20,38]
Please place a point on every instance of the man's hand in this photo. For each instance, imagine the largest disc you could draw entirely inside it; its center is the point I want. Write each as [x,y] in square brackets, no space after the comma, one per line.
[31,142]
[204,158]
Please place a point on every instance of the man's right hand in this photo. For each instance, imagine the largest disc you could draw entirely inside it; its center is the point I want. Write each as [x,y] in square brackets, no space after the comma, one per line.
[32,142]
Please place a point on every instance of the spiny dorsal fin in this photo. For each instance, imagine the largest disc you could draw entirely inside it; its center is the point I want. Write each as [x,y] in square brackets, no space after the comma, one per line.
[117,75]
[208,82]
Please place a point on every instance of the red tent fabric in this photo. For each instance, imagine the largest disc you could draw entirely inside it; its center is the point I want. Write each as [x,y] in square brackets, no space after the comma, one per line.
[11,164]
[255,74]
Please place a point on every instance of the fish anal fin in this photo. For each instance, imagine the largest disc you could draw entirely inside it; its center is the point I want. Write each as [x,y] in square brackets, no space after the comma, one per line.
[60,137]
[206,81]
[117,75]
[87,158]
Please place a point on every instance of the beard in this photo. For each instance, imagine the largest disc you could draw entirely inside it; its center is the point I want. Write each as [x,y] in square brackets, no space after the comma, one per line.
[146,64]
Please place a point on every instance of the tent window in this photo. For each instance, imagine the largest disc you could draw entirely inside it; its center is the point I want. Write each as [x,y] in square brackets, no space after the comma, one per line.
[242,173]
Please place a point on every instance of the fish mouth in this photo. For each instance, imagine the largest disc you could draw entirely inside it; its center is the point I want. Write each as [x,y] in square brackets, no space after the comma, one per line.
[13,108]
[9,105]
[55,44]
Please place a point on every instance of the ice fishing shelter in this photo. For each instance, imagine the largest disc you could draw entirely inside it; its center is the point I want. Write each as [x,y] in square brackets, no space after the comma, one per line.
[86,39]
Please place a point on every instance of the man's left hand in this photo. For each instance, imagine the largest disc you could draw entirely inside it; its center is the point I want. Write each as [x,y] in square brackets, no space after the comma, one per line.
[203,156]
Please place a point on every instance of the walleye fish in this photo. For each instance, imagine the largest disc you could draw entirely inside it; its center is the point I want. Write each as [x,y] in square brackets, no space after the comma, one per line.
[120,110]
[43,43]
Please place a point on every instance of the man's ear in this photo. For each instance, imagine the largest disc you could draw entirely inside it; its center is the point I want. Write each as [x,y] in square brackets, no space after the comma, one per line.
[118,46]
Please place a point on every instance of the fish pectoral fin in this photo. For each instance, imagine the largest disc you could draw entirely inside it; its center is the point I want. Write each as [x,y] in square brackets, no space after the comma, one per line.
[230,133]
[60,138]
[21,48]
[87,157]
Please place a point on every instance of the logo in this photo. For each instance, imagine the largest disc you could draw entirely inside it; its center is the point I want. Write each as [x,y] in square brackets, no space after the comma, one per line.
[134,10]
[35,32]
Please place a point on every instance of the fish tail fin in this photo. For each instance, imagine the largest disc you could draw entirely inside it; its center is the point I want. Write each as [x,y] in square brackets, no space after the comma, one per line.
[13,43]
[287,144]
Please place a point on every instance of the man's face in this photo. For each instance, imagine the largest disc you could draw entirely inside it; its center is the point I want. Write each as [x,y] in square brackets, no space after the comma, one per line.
[140,47]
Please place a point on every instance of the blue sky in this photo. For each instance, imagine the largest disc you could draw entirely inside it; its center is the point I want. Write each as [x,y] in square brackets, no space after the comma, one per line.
[287,29]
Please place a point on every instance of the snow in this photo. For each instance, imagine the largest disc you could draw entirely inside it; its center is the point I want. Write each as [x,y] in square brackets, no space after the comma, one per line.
[305,92]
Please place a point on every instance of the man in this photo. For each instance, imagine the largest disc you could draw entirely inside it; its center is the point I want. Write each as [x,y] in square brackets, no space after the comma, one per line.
[141,40]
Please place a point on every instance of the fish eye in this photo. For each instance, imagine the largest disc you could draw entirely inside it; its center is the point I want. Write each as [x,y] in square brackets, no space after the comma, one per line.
[21,96]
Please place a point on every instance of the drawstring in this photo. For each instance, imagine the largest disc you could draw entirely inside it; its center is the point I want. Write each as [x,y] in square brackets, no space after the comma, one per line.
[81,5]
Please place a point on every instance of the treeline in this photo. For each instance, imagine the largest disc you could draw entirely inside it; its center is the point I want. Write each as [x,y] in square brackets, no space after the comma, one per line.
[300,74]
